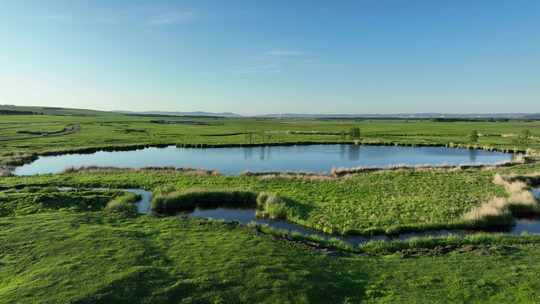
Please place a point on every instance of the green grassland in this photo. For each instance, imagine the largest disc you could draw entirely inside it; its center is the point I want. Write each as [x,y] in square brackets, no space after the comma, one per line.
[120,130]
[365,203]
[67,247]
[91,257]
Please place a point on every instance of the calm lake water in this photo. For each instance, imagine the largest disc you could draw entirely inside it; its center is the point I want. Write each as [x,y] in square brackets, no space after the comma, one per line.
[232,161]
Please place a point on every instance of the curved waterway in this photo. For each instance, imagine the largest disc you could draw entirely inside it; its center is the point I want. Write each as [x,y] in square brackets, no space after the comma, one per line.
[235,160]
[247,215]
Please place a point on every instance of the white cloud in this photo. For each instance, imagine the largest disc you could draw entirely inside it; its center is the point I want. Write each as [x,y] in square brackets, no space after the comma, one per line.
[171,18]
[56,17]
[147,17]
[285,53]
[257,69]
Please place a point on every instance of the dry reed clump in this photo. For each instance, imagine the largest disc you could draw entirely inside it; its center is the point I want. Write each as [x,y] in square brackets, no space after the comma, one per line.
[533,152]
[18,158]
[495,212]
[297,175]
[200,172]
[5,171]
[339,172]
[187,171]
[309,178]
[500,211]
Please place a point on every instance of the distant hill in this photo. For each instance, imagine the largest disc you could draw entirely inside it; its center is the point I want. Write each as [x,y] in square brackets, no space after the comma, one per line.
[435,116]
[172,113]
[37,110]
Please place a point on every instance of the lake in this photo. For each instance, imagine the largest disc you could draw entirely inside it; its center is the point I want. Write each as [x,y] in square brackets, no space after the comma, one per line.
[235,160]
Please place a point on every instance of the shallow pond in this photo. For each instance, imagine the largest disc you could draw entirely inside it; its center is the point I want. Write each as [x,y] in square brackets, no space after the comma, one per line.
[232,161]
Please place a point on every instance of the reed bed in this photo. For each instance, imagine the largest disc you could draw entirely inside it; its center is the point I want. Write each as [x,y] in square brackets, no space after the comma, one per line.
[501,210]
[97,169]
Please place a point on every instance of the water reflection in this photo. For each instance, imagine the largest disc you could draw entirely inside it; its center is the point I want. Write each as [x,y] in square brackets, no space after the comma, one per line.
[349,153]
[473,156]
[248,153]
[353,153]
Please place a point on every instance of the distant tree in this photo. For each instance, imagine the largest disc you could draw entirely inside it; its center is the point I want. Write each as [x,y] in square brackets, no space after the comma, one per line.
[355,133]
[473,136]
[249,137]
[343,135]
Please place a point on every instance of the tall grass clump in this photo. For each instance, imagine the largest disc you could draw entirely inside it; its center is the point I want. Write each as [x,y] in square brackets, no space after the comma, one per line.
[271,205]
[124,204]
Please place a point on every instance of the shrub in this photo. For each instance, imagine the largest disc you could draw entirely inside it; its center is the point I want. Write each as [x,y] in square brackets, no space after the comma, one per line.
[473,136]
[354,132]
[271,205]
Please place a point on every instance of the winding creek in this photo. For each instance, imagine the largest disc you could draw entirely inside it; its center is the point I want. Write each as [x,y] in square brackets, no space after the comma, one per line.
[247,215]
[295,158]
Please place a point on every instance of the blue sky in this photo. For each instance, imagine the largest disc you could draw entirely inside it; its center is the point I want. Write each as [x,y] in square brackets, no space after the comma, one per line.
[272,56]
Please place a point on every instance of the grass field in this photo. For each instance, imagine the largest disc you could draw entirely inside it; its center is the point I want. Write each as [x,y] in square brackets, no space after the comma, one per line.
[364,203]
[61,257]
[119,130]
[67,247]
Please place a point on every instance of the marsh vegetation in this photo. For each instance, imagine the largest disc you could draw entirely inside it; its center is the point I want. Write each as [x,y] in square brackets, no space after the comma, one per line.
[53,240]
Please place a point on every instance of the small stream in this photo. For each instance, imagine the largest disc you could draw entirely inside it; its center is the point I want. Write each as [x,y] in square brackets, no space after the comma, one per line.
[247,215]
[530,225]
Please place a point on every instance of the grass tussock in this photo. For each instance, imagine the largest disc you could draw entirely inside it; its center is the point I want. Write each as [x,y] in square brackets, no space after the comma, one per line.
[343,172]
[97,169]
[124,204]
[271,205]
[293,176]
